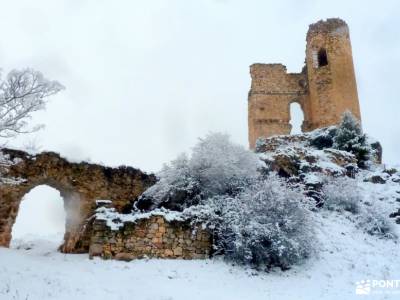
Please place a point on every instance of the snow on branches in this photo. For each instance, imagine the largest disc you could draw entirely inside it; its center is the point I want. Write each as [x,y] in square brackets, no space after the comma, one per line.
[217,166]
[349,137]
[23,92]
[265,225]
[255,220]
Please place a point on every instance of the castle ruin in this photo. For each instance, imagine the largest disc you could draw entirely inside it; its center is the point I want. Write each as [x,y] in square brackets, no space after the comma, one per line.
[82,186]
[325,88]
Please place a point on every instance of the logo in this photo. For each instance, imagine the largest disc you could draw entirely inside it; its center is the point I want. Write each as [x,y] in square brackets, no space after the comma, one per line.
[363,287]
[368,287]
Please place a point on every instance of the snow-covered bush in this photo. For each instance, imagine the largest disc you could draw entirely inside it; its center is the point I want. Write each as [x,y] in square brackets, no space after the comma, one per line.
[323,138]
[375,222]
[254,220]
[349,137]
[265,225]
[341,194]
[175,189]
[216,167]
[221,166]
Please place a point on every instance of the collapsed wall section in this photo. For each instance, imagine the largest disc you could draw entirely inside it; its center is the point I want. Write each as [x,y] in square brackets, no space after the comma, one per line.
[325,88]
[79,184]
[151,236]
[272,91]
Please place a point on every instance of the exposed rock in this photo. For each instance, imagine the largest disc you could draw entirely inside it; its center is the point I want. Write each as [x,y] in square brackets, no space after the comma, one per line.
[377,148]
[376,179]
[285,165]
[95,250]
[294,156]
[383,176]
[307,158]
[124,256]
[396,215]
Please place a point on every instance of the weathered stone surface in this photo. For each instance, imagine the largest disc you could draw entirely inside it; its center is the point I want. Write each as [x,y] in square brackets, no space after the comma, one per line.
[292,155]
[80,184]
[175,239]
[95,250]
[377,147]
[286,165]
[325,88]
[377,179]
[124,256]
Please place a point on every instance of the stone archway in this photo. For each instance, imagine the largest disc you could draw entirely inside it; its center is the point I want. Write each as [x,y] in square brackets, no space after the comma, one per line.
[80,185]
[299,102]
[41,217]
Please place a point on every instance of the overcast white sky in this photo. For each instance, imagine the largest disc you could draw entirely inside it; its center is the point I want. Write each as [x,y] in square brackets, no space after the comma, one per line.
[145,79]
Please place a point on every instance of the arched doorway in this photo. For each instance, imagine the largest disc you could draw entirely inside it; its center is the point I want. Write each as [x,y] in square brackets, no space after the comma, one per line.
[41,217]
[79,184]
[70,211]
[296,118]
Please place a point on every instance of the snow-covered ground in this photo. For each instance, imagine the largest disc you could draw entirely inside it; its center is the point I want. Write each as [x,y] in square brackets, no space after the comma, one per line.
[347,260]
[346,255]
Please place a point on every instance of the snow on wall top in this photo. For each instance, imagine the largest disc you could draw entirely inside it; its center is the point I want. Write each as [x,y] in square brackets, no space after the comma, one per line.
[5,163]
[115,220]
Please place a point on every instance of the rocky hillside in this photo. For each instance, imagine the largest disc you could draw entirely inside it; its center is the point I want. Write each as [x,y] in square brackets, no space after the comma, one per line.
[310,160]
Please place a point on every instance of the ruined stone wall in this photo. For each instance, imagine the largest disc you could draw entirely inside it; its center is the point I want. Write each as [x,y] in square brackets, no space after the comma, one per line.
[152,237]
[324,92]
[272,91]
[80,184]
[332,87]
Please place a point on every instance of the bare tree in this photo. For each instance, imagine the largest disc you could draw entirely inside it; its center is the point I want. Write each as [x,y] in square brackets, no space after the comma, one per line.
[23,92]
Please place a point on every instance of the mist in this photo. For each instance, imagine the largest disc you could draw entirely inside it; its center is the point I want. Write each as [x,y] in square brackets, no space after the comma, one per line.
[145,80]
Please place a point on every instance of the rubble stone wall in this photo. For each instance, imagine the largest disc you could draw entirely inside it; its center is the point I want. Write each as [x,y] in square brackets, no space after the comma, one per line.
[152,237]
[80,185]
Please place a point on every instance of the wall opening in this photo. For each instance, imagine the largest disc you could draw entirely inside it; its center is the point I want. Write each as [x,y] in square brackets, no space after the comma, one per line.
[41,219]
[322,58]
[296,118]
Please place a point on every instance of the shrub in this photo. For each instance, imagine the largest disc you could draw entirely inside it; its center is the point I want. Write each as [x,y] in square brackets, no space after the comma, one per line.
[266,225]
[216,167]
[375,222]
[349,137]
[323,138]
[176,188]
[341,194]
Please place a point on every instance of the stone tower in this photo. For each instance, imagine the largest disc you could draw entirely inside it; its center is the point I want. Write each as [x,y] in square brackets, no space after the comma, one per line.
[325,88]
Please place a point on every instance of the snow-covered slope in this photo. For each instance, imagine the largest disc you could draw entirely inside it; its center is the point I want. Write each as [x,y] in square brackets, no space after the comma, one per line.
[355,212]
[345,255]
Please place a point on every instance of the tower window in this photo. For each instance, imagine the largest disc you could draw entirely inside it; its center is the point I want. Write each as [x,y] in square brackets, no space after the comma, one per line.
[322,58]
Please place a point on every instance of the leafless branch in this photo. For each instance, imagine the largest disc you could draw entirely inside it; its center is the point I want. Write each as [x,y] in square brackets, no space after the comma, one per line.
[23,92]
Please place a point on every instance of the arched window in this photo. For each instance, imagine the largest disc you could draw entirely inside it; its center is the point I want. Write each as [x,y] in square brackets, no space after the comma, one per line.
[322,58]
[296,118]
